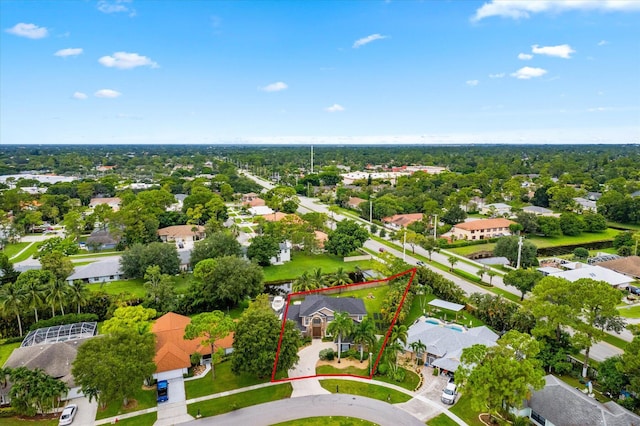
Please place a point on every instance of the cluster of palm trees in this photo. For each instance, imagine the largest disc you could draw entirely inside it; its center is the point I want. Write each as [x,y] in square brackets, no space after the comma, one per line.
[362,333]
[316,280]
[37,289]
[396,345]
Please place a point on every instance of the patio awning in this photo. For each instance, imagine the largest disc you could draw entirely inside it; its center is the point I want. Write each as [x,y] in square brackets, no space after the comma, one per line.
[439,303]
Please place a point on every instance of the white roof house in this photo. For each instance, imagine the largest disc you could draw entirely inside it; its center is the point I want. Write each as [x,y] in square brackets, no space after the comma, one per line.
[98,272]
[597,273]
[260,210]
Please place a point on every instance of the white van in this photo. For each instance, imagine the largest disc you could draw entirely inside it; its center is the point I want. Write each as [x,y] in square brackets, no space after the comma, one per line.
[449,393]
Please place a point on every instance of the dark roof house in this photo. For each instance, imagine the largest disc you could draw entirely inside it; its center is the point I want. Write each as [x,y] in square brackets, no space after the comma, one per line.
[315,312]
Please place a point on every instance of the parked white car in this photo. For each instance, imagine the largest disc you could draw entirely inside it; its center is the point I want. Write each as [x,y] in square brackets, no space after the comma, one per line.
[449,393]
[68,414]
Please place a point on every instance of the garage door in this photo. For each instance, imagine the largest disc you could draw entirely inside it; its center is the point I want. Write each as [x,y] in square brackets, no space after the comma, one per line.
[168,375]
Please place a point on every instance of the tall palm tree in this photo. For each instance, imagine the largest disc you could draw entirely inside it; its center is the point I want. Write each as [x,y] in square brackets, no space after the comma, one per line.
[452,261]
[399,333]
[78,293]
[418,348]
[12,301]
[303,283]
[57,292]
[342,325]
[491,274]
[319,279]
[364,333]
[32,284]
[340,277]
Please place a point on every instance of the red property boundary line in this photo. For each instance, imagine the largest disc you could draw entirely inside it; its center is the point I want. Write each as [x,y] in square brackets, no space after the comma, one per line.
[350,287]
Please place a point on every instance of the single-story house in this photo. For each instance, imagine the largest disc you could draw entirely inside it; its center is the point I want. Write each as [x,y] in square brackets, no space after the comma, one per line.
[482,229]
[315,313]
[260,210]
[284,255]
[278,216]
[102,271]
[102,239]
[445,342]
[595,272]
[246,198]
[179,202]
[496,209]
[538,211]
[548,270]
[354,202]
[182,234]
[585,205]
[399,221]
[594,196]
[629,266]
[113,202]
[498,260]
[173,352]
[559,404]
[321,238]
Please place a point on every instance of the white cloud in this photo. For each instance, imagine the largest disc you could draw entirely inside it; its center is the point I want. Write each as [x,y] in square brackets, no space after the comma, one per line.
[125,61]
[107,93]
[525,56]
[602,42]
[472,82]
[560,51]
[79,95]
[498,75]
[116,6]
[28,30]
[335,108]
[522,9]
[367,40]
[69,52]
[599,109]
[275,87]
[525,73]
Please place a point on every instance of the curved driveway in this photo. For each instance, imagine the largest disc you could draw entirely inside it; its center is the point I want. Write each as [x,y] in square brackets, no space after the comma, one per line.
[284,410]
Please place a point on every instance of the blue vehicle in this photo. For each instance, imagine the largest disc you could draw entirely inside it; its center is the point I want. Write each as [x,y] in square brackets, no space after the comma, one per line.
[163,391]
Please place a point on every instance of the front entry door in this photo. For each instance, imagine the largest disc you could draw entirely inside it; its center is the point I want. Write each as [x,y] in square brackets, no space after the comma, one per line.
[317,328]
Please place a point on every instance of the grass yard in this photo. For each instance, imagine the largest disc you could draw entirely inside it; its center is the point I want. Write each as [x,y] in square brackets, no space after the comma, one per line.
[29,251]
[302,262]
[624,225]
[630,312]
[327,421]
[441,420]
[5,351]
[410,381]
[467,250]
[11,250]
[97,254]
[145,399]
[142,420]
[15,421]
[225,380]
[213,407]
[134,287]
[463,409]
[585,237]
[329,369]
[364,389]
[373,303]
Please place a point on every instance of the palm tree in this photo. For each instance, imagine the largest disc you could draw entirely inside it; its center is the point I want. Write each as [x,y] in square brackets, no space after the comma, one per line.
[58,291]
[78,293]
[342,325]
[303,283]
[340,277]
[453,260]
[399,333]
[32,283]
[480,273]
[11,301]
[418,348]
[364,334]
[318,278]
[491,274]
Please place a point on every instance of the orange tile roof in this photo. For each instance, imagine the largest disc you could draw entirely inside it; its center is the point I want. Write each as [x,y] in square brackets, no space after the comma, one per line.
[477,225]
[278,216]
[403,219]
[172,350]
[181,231]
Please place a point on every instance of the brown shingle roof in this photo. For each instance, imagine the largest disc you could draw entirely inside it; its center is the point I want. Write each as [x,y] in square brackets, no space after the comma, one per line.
[403,219]
[482,224]
[627,265]
[181,231]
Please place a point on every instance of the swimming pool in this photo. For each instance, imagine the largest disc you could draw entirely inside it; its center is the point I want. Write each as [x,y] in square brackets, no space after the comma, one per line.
[436,321]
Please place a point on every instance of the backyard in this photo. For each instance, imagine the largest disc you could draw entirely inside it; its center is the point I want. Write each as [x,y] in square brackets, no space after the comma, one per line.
[301,262]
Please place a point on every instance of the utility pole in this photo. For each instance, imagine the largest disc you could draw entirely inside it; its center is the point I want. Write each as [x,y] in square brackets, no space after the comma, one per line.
[370,210]
[404,246]
[519,251]
[435,228]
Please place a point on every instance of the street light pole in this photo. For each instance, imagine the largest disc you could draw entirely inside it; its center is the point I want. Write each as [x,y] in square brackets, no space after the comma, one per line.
[404,246]
[435,228]
[370,362]
[370,210]
[519,251]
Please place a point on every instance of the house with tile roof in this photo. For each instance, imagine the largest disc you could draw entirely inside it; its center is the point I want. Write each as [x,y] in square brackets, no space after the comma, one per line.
[184,235]
[113,202]
[173,351]
[315,313]
[399,221]
[482,229]
[354,202]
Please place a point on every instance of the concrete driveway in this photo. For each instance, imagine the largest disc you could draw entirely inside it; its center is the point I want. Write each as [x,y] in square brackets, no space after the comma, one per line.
[306,367]
[86,410]
[174,411]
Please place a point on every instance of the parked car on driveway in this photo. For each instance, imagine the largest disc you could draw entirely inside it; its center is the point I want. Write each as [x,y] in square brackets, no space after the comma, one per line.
[68,414]
[449,393]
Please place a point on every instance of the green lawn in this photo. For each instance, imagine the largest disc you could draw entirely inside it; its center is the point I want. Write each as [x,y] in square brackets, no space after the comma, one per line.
[463,409]
[5,351]
[364,389]
[225,380]
[372,297]
[441,420]
[585,237]
[134,287]
[329,369]
[213,407]
[11,250]
[327,421]
[14,421]
[630,312]
[624,225]
[302,262]
[145,398]
[97,254]
[142,420]
[30,251]
[410,381]
[467,250]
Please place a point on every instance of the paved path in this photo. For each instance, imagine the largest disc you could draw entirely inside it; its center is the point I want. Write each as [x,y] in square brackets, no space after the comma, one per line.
[312,406]
[306,367]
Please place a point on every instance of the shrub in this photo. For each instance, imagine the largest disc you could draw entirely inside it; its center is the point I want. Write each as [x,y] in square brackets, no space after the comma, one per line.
[327,354]
[382,369]
[195,358]
[7,412]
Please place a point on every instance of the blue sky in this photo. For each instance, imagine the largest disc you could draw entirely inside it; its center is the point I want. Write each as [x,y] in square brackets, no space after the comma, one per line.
[109,71]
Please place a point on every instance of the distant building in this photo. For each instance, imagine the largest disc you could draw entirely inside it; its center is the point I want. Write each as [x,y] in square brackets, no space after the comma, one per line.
[284,254]
[496,209]
[182,235]
[482,229]
[598,273]
[102,271]
[538,211]
[113,202]
[585,205]
[354,202]
[399,221]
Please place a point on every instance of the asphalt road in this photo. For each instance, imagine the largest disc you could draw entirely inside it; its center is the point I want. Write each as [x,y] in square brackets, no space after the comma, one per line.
[284,410]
